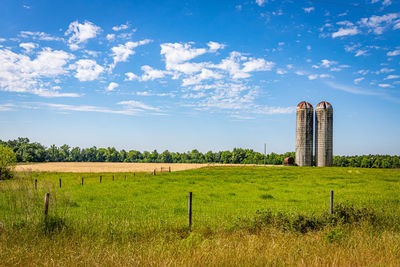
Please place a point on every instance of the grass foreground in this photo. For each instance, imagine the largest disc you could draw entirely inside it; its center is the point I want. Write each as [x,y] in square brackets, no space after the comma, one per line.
[241,216]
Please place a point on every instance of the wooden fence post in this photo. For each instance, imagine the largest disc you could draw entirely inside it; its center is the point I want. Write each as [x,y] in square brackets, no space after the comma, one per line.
[125,177]
[154,172]
[169,169]
[82,180]
[46,204]
[35,184]
[113,177]
[190,211]
[60,182]
[134,174]
[331,203]
[100,178]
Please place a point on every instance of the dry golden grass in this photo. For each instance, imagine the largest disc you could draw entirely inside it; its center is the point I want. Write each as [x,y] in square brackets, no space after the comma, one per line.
[97,167]
[270,247]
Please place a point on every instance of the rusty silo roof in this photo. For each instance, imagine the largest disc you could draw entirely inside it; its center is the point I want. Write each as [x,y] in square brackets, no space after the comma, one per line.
[304,105]
[324,105]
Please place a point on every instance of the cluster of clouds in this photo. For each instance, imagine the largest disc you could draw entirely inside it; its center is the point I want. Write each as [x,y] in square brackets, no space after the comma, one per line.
[222,85]
[39,70]
[374,24]
[206,80]
[42,70]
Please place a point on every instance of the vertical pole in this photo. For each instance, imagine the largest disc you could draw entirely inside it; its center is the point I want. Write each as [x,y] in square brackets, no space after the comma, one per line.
[82,180]
[60,182]
[154,171]
[190,210]
[46,204]
[134,174]
[100,178]
[331,204]
[113,177]
[169,169]
[35,184]
[125,177]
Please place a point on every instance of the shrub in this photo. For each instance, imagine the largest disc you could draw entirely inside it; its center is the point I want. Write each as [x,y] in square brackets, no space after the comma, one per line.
[7,162]
[342,215]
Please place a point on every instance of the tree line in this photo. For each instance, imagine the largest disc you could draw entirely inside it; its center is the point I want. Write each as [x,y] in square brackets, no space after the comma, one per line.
[27,151]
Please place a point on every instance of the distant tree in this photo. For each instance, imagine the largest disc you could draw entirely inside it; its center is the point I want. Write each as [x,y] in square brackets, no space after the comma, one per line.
[8,159]
[76,154]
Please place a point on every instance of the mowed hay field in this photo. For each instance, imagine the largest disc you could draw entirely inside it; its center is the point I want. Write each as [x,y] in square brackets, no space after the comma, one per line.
[98,167]
[241,216]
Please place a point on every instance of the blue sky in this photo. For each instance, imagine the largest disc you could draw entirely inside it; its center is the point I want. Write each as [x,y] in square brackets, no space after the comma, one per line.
[211,75]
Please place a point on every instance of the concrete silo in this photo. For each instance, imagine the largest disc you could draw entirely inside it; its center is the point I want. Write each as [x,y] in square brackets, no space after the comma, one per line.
[304,134]
[323,134]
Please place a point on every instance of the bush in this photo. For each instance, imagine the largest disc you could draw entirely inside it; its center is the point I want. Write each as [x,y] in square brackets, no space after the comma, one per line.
[7,162]
[342,215]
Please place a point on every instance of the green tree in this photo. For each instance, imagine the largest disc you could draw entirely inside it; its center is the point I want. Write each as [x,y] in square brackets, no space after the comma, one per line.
[8,159]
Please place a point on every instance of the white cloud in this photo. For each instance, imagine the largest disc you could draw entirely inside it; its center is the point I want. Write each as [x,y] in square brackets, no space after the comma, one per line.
[87,69]
[82,108]
[233,63]
[28,46]
[363,72]
[131,76]
[358,80]
[149,93]
[112,86]
[308,47]
[308,9]
[121,52]
[52,94]
[345,32]
[378,24]
[257,64]
[350,89]
[7,107]
[300,73]
[390,77]
[351,48]
[232,66]
[361,53]
[261,2]
[20,73]
[120,27]
[393,53]
[214,46]
[315,76]
[176,53]
[137,105]
[312,76]
[345,23]
[151,74]
[110,37]
[396,26]
[327,63]
[386,3]
[205,74]
[385,70]
[385,85]
[80,33]
[39,36]
[281,71]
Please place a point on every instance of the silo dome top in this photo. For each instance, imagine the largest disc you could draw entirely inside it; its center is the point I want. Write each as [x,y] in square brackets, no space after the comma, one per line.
[304,105]
[324,105]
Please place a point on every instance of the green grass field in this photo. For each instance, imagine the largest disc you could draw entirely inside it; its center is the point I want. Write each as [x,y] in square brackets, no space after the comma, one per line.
[142,217]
